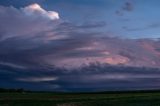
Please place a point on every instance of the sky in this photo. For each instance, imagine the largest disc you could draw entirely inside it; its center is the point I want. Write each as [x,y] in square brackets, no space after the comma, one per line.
[124,18]
[46,43]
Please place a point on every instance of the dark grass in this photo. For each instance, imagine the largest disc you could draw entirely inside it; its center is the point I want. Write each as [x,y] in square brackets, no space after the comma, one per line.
[81,99]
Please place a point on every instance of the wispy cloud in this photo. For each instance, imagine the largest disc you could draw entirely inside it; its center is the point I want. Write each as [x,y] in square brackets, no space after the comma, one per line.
[127,6]
[38,79]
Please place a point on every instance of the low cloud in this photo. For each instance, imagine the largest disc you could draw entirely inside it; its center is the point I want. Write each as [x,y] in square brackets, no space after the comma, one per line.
[37,79]
[12,65]
[90,78]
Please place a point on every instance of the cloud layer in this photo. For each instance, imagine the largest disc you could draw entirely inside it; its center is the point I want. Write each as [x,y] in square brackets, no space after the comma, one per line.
[33,41]
[37,38]
[93,78]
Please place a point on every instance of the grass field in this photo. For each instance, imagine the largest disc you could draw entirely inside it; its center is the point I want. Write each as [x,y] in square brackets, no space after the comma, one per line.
[97,99]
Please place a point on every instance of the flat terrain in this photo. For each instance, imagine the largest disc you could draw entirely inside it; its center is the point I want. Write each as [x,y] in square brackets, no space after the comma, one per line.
[89,99]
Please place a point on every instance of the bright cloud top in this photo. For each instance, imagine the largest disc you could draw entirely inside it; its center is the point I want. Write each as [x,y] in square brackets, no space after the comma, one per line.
[37,10]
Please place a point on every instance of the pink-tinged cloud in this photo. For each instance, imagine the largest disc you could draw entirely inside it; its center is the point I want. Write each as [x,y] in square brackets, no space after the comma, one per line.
[36,10]
[116,59]
[38,79]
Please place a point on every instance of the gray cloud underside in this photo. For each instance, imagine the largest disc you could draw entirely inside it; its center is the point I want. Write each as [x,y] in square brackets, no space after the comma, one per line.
[93,78]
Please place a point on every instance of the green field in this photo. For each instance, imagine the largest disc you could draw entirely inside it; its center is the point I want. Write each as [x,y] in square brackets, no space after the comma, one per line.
[95,99]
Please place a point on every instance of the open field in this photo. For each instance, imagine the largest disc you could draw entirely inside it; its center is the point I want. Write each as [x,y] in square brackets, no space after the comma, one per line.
[88,99]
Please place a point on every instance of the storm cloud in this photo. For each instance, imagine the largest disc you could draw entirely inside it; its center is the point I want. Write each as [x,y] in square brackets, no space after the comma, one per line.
[36,34]
[35,41]
[93,78]
[38,37]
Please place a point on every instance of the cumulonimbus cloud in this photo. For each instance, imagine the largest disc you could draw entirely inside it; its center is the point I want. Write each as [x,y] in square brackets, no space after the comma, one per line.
[33,41]
[28,21]
[35,36]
